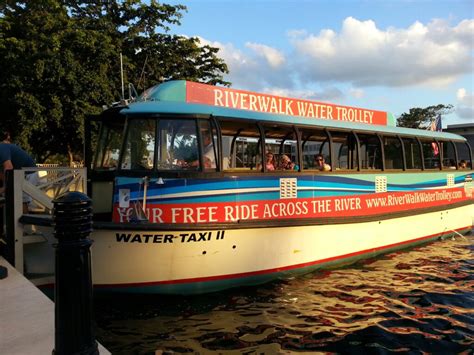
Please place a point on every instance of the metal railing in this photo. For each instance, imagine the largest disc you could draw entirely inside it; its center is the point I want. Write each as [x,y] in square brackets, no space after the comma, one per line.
[53,182]
[31,191]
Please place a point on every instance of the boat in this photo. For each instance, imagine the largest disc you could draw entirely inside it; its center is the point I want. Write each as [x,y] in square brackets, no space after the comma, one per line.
[185,203]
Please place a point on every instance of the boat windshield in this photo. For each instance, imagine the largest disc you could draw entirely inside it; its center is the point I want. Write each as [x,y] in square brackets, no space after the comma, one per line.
[171,144]
[168,144]
[108,146]
[139,151]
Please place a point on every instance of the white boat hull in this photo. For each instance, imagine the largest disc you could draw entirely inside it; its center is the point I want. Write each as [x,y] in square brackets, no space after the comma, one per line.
[208,260]
[197,261]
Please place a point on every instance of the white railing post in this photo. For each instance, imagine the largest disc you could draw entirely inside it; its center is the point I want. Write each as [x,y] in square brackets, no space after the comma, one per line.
[18,179]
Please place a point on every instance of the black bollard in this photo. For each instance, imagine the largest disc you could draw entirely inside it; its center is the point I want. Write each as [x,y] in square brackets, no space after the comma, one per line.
[73,287]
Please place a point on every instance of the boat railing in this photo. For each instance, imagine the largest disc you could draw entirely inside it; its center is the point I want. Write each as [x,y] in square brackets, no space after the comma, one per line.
[29,205]
[52,182]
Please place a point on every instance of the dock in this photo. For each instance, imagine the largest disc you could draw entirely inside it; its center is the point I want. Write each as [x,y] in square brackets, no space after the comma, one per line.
[27,317]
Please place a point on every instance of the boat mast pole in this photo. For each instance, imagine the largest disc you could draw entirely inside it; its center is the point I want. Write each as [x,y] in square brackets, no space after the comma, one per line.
[121,76]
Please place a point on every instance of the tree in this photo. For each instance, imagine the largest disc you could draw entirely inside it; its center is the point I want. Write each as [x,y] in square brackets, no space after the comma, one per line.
[59,63]
[421,118]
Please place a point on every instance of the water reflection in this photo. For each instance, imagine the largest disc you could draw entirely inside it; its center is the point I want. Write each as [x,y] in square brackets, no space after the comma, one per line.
[419,301]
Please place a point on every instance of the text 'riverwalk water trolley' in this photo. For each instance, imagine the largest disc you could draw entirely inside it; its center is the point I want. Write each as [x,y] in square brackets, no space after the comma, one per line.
[198,188]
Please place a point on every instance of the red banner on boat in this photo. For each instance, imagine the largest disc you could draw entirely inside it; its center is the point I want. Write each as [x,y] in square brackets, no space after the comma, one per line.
[334,206]
[252,101]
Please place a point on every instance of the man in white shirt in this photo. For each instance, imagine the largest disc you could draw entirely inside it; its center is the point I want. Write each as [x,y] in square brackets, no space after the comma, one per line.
[209,154]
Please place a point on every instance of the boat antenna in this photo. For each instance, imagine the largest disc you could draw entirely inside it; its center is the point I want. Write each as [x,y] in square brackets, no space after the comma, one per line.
[121,76]
[142,74]
[132,92]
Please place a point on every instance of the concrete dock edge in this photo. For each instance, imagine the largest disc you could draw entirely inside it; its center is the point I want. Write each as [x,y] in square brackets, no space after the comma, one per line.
[26,317]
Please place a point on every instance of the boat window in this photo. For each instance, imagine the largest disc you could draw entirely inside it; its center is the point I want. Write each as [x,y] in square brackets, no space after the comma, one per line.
[412,153]
[431,153]
[345,148]
[315,142]
[464,155]
[449,156]
[139,145]
[370,151]
[209,144]
[108,148]
[393,153]
[177,145]
[281,141]
[241,148]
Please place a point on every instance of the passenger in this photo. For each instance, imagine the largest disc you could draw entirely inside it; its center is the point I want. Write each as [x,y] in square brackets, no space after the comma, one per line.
[209,156]
[286,163]
[320,164]
[269,161]
[13,157]
[6,137]
[462,164]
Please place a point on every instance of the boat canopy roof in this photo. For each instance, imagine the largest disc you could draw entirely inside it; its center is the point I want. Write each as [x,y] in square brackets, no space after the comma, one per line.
[189,98]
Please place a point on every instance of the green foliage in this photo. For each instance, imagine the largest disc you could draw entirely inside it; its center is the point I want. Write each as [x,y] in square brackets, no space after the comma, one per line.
[421,118]
[60,62]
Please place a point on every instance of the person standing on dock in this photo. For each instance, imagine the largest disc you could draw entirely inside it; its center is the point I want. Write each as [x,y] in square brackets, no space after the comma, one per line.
[13,157]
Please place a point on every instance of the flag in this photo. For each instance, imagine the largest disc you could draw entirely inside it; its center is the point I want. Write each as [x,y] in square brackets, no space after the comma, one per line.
[437,127]
[436,124]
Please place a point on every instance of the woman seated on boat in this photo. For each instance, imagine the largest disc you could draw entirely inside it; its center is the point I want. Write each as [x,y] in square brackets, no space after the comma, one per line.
[269,161]
[320,164]
[286,163]
[462,164]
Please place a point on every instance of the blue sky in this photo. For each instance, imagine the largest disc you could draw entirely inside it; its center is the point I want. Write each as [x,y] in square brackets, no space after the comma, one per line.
[385,55]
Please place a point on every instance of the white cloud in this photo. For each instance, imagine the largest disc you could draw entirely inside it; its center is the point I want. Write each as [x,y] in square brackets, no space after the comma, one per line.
[357,93]
[327,94]
[465,104]
[274,57]
[260,67]
[433,54]
[296,33]
[359,54]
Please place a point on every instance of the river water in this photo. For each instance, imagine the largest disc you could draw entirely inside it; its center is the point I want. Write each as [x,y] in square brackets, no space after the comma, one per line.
[416,301]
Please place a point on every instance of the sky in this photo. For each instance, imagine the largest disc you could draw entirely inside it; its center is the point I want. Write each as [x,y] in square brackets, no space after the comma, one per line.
[388,55]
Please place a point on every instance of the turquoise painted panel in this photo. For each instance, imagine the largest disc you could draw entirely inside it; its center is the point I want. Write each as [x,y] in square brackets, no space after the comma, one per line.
[169,91]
